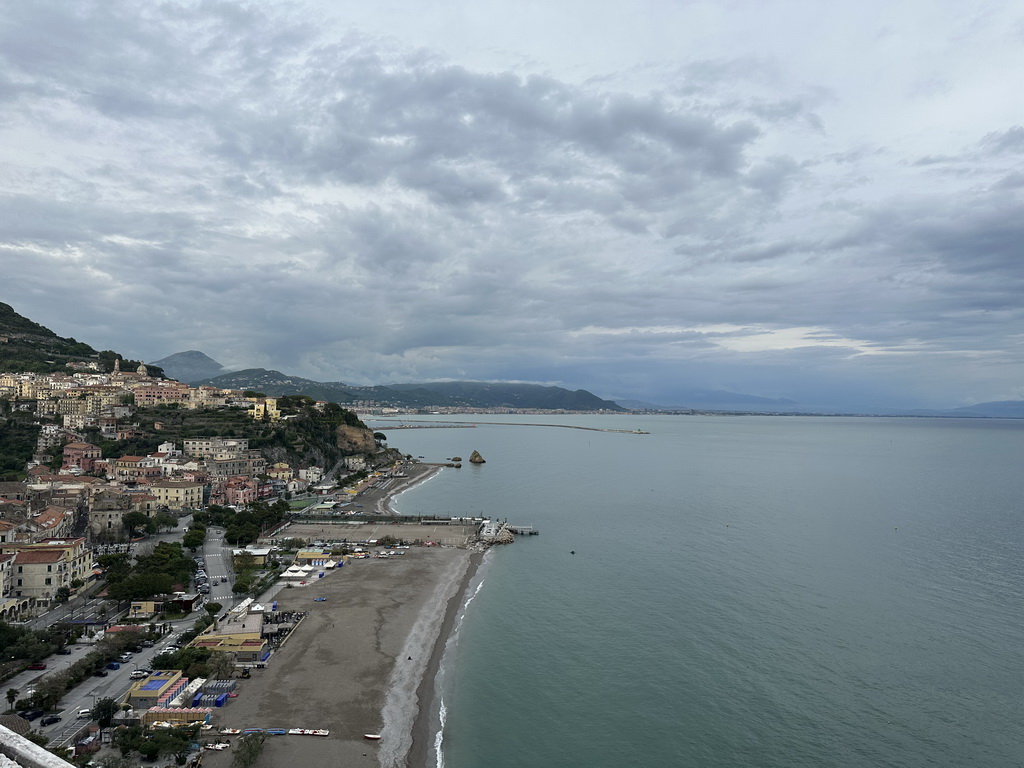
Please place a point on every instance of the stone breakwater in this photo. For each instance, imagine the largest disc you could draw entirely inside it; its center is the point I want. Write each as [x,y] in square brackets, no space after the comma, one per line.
[496,532]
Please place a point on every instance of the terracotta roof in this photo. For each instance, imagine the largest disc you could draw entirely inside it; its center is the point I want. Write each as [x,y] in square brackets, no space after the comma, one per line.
[30,556]
[19,725]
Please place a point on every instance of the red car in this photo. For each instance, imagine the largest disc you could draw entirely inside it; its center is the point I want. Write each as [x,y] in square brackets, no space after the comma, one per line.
[37,665]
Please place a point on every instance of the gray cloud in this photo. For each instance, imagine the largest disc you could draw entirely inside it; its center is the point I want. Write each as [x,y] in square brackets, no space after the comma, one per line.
[277,192]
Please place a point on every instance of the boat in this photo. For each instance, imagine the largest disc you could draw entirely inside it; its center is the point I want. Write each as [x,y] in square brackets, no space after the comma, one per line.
[371,736]
[230,731]
[277,731]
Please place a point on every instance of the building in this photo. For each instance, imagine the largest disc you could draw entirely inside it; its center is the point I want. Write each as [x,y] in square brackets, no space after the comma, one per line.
[81,456]
[205,447]
[177,494]
[135,469]
[40,569]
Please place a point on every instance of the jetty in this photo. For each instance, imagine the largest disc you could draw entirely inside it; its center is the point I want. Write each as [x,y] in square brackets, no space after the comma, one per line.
[502,532]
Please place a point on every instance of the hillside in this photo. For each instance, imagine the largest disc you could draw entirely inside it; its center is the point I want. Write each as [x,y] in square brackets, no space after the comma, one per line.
[465,394]
[479,394]
[306,436]
[27,347]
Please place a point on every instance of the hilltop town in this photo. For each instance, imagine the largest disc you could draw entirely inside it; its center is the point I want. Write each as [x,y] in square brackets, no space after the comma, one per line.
[84,477]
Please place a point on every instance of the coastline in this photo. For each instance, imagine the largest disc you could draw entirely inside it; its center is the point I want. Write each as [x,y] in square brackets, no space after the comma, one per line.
[421,752]
[380,501]
[364,660]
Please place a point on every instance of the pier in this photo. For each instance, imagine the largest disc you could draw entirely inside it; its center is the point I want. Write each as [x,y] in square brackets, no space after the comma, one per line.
[523,530]
[501,532]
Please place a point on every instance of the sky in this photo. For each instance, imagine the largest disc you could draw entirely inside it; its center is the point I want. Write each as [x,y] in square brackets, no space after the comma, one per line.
[789,199]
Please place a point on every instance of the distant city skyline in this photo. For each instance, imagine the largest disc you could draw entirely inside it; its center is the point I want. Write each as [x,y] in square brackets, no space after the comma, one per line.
[814,202]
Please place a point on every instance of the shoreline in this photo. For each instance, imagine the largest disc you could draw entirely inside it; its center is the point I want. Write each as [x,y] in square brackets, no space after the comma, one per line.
[381,501]
[422,749]
[364,660]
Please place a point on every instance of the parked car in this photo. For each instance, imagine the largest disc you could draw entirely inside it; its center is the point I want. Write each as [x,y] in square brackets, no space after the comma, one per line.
[33,714]
[64,651]
[84,714]
[125,657]
[50,720]
[113,665]
[147,643]
[37,665]
[100,673]
[138,674]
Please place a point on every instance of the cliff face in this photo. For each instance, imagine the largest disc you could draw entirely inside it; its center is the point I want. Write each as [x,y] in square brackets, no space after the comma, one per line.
[355,440]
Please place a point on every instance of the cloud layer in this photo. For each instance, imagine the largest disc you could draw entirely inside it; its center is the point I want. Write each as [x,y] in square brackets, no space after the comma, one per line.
[276,188]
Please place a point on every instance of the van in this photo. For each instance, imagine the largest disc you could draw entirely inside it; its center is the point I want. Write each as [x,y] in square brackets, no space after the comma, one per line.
[84,714]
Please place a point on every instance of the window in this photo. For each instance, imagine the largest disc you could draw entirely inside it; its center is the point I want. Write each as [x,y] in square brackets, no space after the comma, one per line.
[49,581]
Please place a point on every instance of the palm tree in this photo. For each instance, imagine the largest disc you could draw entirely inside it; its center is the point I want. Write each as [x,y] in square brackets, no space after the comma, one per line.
[12,696]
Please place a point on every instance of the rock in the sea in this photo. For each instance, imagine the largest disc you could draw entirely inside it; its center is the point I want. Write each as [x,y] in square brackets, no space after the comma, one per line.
[476,458]
[455,458]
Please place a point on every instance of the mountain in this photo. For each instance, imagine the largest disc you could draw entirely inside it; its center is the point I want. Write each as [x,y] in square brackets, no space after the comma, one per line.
[997,409]
[275,384]
[27,347]
[190,366]
[481,394]
[465,394]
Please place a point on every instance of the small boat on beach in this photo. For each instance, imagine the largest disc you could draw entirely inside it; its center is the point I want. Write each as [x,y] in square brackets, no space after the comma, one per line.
[372,736]
[230,731]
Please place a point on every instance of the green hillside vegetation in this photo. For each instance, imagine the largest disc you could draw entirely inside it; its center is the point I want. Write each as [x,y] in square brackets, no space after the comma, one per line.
[305,435]
[33,348]
[466,394]
[482,394]
[18,435]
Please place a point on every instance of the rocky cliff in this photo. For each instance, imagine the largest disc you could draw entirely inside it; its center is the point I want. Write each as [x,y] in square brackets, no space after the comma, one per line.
[356,440]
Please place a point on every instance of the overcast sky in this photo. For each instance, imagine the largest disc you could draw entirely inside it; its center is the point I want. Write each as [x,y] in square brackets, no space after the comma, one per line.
[818,201]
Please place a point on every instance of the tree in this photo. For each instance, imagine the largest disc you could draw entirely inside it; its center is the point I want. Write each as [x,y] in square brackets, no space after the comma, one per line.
[247,750]
[213,608]
[149,750]
[62,595]
[12,696]
[221,665]
[133,520]
[104,711]
[194,538]
[245,562]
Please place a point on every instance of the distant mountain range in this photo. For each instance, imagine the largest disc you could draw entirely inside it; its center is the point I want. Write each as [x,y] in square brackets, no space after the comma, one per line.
[26,346]
[435,394]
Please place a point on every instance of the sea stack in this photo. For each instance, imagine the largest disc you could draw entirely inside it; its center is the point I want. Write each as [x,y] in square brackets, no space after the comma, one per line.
[476,458]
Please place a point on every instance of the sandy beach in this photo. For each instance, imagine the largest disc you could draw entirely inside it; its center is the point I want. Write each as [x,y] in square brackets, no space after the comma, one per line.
[361,662]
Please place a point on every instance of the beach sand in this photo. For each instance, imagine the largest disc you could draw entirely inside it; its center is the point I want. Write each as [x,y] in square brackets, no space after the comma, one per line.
[361,662]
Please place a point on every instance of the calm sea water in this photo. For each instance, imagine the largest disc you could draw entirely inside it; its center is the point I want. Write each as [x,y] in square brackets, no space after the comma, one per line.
[745,591]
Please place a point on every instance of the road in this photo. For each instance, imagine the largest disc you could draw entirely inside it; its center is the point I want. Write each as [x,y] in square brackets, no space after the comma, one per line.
[217,556]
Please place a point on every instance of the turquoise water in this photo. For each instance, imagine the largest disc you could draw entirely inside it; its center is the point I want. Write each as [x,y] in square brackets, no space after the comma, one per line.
[745,591]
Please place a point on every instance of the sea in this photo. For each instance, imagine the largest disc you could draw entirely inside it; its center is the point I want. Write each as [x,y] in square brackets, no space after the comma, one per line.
[734,591]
